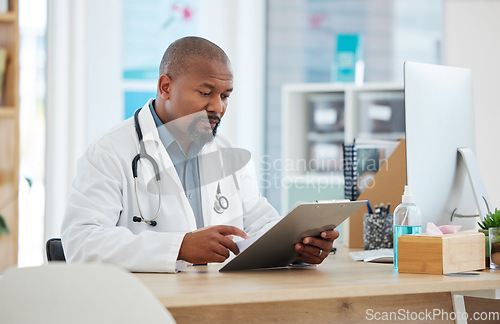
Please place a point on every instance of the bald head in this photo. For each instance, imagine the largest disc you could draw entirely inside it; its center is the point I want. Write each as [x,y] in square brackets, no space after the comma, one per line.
[176,57]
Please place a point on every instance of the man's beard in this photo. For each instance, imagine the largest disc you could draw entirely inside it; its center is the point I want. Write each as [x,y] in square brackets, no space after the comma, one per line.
[200,138]
[217,123]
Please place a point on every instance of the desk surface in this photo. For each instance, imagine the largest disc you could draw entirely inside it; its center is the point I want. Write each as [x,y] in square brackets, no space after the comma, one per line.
[337,277]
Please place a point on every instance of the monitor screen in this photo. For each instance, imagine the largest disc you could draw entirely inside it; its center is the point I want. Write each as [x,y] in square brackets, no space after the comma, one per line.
[439,119]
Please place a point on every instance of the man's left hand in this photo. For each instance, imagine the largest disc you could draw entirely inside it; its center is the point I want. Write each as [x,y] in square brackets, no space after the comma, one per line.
[314,250]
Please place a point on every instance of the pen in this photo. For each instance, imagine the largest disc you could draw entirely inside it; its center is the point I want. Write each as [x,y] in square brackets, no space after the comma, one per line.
[370,210]
[388,208]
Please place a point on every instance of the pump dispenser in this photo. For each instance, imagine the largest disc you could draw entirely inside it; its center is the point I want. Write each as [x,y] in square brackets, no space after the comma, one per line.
[407,220]
[407,196]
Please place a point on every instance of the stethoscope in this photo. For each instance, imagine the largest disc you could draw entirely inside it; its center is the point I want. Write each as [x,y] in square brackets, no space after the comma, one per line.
[221,203]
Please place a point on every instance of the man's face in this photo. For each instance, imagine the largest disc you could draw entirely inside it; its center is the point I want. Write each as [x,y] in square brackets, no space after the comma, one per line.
[204,87]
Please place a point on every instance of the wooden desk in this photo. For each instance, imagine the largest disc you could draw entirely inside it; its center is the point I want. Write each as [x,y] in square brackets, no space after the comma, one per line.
[337,290]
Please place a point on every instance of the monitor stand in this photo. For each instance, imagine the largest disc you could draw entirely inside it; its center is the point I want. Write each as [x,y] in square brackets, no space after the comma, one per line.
[476,181]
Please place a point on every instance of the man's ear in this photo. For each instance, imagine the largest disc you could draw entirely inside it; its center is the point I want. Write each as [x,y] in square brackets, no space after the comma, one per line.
[164,86]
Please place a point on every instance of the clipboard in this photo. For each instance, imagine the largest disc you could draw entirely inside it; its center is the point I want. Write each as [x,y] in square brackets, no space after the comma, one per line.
[275,248]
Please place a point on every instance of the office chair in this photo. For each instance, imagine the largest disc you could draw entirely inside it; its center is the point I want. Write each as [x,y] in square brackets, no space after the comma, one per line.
[59,293]
[54,250]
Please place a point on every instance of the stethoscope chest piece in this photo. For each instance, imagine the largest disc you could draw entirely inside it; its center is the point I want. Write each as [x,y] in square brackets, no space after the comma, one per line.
[221,203]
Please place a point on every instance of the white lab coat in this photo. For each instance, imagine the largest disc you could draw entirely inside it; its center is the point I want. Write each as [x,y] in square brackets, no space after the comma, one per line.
[98,226]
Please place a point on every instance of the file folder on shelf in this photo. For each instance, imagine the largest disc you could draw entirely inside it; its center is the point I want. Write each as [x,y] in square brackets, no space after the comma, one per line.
[387,186]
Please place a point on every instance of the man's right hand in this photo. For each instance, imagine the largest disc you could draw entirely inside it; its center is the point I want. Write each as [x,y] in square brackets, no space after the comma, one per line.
[210,244]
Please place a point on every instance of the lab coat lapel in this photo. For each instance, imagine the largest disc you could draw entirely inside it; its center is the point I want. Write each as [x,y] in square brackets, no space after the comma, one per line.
[208,168]
[169,175]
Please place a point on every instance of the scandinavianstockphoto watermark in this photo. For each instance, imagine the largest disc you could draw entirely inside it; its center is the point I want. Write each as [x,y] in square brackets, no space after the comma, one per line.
[283,173]
[316,165]
[429,315]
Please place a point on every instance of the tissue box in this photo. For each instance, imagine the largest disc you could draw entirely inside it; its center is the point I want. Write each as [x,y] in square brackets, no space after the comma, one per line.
[441,254]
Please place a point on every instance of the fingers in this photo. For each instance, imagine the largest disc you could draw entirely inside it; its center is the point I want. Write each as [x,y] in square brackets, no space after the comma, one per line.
[209,244]
[306,254]
[231,230]
[221,250]
[229,244]
[313,249]
[223,242]
[330,235]
[314,244]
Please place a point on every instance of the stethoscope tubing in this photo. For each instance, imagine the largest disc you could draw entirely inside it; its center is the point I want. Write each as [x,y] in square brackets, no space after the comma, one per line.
[221,203]
[143,154]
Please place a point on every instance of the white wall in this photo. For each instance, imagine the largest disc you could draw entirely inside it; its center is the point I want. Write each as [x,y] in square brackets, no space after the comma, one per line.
[103,52]
[83,90]
[471,29]
[239,27]
[65,105]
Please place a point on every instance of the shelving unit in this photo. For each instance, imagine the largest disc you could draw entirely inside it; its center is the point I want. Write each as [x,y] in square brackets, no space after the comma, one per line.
[317,119]
[9,136]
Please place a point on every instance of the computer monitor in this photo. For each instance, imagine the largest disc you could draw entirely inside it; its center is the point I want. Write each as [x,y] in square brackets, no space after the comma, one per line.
[439,124]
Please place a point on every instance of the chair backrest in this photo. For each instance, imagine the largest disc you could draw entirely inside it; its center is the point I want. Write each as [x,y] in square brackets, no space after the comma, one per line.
[54,250]
[77,293]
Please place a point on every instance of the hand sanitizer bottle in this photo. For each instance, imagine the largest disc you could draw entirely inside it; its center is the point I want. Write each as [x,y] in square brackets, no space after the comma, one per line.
[407,220]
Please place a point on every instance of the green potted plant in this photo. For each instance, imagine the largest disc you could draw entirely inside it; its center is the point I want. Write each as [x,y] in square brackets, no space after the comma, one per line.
[3,226]
[490,220]
[4,229]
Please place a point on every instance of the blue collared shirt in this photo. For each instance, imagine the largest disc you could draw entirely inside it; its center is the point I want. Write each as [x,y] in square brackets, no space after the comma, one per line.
[186,166]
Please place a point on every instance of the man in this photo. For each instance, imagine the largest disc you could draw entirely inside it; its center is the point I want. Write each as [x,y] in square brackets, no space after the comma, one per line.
[189,209]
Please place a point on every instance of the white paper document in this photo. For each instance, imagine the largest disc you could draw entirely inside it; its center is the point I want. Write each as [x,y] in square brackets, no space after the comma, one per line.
[243,244]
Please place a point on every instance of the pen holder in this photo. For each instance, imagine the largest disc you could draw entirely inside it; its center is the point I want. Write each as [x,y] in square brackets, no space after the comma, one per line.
[377,231]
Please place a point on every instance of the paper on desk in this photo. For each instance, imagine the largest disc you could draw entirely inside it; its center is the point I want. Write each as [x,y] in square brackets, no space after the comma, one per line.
[379,255]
